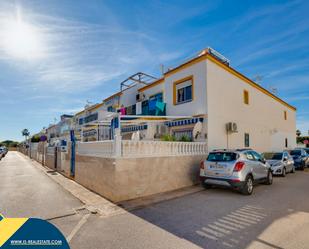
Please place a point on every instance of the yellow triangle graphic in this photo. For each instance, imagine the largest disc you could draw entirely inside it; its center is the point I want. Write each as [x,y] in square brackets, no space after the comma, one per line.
[8,226]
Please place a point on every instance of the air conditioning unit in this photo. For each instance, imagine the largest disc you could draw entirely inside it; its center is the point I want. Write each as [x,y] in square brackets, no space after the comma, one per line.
[140,97]
[231,127]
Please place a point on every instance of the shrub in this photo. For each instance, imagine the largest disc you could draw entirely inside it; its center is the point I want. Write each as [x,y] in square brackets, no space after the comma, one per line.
[185,138]
[35,139]
[168,137]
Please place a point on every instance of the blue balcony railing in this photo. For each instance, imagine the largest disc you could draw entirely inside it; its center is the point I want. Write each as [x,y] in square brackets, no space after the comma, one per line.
[151,108]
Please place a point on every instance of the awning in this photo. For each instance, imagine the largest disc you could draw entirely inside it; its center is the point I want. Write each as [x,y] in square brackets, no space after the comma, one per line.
[134,128]
[184,122]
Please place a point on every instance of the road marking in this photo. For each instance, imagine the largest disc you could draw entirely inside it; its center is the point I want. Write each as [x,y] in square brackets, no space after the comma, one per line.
[77,227]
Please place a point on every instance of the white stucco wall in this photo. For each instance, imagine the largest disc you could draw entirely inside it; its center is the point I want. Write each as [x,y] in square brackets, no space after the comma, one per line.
[154,90]
[128,96]
[263,118]
[199,104]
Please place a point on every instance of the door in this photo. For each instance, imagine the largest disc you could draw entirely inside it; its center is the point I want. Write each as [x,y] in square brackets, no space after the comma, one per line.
[262,167]
[287,162]
[255,169]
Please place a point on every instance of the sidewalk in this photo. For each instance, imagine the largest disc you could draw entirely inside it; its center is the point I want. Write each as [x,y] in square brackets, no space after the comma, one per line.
[93,202]
[98,204]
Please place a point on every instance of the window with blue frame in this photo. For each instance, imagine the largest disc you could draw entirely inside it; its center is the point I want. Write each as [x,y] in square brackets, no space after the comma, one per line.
[157,97]
[110,109]
[91,117]
[145,107]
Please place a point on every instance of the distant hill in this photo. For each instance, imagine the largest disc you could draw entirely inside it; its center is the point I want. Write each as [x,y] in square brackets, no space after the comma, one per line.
[9,143]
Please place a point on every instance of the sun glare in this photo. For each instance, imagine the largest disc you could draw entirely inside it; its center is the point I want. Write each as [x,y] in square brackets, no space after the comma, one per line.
[21,40]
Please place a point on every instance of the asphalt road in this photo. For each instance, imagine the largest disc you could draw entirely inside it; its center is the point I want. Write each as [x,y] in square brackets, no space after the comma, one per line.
[274,216]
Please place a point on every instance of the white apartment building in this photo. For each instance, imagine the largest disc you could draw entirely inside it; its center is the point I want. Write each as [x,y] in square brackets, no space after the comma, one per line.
[235,112]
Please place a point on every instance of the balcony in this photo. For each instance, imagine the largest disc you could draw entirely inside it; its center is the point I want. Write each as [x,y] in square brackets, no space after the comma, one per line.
[148,107]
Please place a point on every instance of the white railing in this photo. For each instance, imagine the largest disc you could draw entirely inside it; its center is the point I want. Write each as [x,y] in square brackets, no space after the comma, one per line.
[97,148]
[135,149]
[34,146]
[51,150]
[160,148]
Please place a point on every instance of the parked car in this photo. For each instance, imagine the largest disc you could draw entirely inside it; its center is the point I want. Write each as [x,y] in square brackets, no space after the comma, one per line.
[2,153]
[5,150]
[280,162]
[307,150]
[237,169]
[300,157]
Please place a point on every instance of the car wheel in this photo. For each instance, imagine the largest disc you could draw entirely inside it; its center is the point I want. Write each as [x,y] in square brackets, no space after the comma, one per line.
[269,180]
[283,172]
[247,189]
[206,185]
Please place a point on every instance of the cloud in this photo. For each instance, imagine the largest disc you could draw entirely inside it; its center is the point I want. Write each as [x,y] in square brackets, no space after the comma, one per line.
[80,56]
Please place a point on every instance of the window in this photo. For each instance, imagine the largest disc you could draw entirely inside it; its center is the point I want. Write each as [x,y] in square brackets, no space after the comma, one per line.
[249,156]
[91,117]
[285,155]
[246,97]
[285,115]
[157,97]
[256,156]
[247,140]
[295,152]
[273,156]
[110,109]
[222,157]
[183,90]
[286,143]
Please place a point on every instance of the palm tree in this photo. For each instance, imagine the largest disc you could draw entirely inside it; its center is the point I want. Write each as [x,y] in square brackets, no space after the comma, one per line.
[25,133]
[298,133]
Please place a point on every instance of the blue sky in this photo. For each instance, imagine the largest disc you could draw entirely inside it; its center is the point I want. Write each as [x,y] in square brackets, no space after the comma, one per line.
[85,48]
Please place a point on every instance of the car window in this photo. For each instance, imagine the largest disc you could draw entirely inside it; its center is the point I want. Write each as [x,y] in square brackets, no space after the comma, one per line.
[295,152]
[273,156]
[221,156]
[256,155]
[249,156]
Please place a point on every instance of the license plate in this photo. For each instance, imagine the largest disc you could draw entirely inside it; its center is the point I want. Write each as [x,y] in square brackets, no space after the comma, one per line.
[216,166]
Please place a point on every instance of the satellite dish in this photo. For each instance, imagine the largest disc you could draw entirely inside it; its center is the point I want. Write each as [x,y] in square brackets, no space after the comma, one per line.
[197,130]
[151,131]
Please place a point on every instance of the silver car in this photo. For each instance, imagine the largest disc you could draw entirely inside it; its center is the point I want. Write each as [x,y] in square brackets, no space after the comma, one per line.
[280,162]
[238,169]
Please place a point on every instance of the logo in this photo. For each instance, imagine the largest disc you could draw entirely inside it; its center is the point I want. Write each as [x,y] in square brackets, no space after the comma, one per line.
[28,233]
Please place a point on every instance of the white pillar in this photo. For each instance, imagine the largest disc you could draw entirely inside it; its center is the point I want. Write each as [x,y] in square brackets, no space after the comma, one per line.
[117,141]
